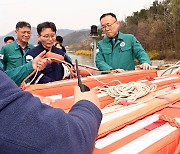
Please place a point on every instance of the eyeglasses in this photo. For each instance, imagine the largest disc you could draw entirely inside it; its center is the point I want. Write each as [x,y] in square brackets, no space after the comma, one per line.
[108,25]
[49,36]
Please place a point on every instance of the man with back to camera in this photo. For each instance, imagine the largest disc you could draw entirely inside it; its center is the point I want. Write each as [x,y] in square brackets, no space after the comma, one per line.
[30,127]
[118,50]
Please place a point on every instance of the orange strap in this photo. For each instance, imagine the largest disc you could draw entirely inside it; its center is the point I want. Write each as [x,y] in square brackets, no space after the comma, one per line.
[174,106]
[164,97]
[172,86]
[23,83]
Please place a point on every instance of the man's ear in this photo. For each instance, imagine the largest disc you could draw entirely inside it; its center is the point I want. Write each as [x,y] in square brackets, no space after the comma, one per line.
[16,32]
[118,22]
[38,37]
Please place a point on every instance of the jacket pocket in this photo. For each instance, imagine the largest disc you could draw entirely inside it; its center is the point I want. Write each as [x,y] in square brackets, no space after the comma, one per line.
[107,53]
[124,49]
[14,59]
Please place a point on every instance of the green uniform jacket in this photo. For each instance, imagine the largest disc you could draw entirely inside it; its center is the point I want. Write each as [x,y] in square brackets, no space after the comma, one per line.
[13,61]
[122,55]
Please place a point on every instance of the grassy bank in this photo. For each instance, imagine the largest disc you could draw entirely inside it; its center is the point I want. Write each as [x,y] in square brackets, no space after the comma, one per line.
[83,52]
[164,55]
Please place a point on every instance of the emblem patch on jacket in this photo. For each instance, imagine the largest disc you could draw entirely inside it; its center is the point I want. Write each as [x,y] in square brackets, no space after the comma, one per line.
[29,58]
[122,44]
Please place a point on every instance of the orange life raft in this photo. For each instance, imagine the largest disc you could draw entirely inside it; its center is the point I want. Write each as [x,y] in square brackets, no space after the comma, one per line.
[66,87]
[65,103]
[118,132]
[118,118]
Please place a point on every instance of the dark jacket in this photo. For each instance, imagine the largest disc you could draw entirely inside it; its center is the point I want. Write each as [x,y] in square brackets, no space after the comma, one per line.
[29,127]
[53,71]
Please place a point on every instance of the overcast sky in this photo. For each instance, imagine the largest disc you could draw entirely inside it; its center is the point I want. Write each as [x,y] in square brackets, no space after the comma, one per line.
[66,14]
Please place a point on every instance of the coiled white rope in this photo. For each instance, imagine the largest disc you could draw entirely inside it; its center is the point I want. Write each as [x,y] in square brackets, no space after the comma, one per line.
[129,91]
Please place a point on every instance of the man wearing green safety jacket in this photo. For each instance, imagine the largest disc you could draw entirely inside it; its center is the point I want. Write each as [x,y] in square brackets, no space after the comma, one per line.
[12,58]
[12,55]
[118,51]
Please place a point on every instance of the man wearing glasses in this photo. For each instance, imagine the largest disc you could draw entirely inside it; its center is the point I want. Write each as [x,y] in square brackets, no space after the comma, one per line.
[117,51]
[47,38]
[12,56]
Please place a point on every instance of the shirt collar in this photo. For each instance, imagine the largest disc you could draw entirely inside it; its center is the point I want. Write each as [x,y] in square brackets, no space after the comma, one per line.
[120,36]
[117,37]
[17,46]
[40,44]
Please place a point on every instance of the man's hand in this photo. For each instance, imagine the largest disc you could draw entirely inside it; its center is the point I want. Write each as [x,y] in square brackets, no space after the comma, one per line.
[39,62]
[89,95]
[145,66]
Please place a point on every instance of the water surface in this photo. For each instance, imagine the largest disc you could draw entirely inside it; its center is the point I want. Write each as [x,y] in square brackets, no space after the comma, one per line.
[82,59]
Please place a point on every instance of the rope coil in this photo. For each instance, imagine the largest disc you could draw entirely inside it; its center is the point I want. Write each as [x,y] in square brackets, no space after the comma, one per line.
[130,91]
